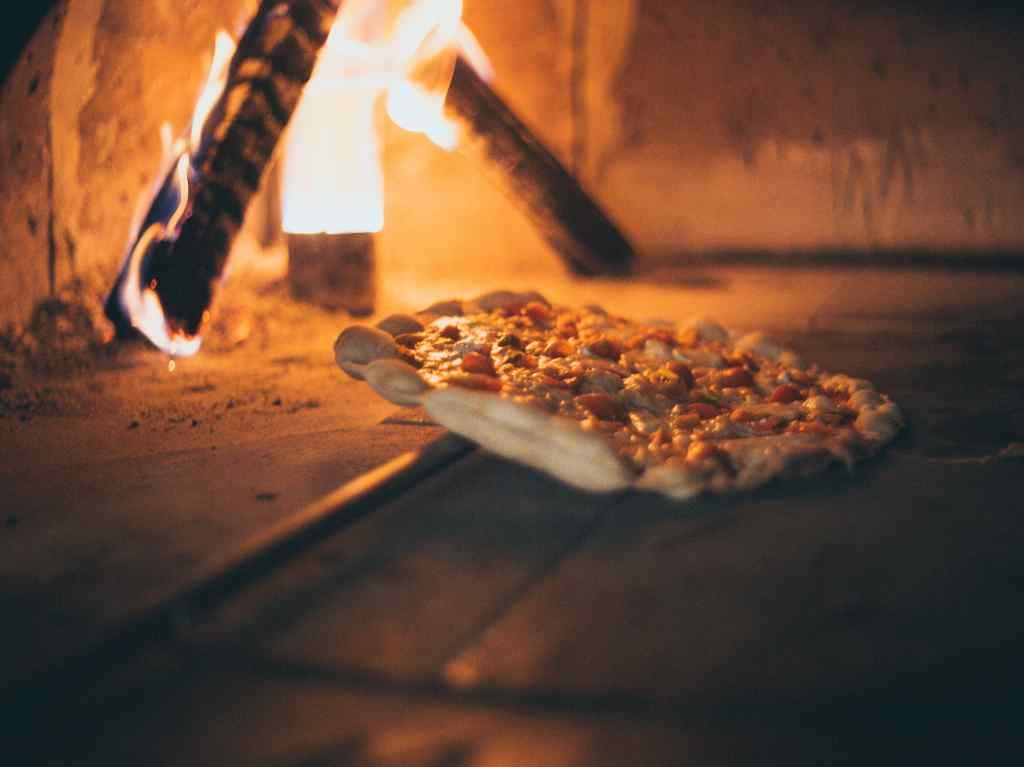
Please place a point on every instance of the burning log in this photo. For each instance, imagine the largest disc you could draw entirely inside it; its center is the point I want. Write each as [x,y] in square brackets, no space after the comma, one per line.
[180,254]
[567,217]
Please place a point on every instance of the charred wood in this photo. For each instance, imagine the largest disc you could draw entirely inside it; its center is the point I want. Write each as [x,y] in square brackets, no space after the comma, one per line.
[273,61]
[567,217]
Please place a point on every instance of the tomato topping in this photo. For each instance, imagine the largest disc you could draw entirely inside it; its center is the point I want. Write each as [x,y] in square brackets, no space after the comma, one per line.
[785,394]
[704,410]
[476,381]
[606,348]
[474,362]
[603,406]
[452,332]
[557,348]
[566,328]
[683,371]
[737,377]
[552,383]
[538,313]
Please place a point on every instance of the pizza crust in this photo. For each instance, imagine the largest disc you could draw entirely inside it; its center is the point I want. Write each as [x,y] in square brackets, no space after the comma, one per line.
[530,436]
[515,428]
[358,346]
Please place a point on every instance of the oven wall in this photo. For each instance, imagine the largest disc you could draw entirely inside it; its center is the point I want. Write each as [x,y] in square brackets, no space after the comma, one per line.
[702,127]
[80,117]
[802,125]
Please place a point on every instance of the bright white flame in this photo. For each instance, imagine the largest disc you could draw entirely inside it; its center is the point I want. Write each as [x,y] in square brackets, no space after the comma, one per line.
[223,50]
[420,111]
[332,177]
[331,174]
[424,42]
[473,52]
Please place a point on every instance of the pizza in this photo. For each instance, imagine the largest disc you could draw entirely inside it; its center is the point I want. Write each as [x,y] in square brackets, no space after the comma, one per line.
[605,403]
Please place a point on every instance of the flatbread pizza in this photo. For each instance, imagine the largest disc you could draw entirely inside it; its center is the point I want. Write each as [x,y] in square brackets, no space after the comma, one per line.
[605,403]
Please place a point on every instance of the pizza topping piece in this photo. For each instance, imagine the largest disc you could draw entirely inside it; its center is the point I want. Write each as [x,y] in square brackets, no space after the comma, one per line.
[704,410]
[539,314]
[509,340]
[601,381]
[602,406]
[699,357]
[684,372]
[819,405]
[736,376]
[566,327]
[604,348]
[785,394]
[557,348]
[760,344]
[707,330]
[476,381]
[451,332]
[474,362]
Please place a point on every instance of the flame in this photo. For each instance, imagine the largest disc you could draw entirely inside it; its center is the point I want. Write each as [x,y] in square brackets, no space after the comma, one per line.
[332,175]
[141,302]
[423,39]
[164,210]
[223,50]
[403,50]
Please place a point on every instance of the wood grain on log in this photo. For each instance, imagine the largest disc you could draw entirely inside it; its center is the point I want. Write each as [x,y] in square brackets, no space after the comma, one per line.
[274,60]
[567,217]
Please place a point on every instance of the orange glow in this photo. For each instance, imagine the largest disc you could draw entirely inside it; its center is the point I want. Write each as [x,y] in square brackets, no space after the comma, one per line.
[402,51]
[142,303]
[223,50]
[423,38]
[331,172]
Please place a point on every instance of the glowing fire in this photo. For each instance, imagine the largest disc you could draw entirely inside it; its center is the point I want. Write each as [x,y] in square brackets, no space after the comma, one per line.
[403,50]
[223,50]
[141,302]
[332,176]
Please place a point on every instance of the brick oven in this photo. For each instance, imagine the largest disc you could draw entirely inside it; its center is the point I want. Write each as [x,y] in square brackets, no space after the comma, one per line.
[213,547]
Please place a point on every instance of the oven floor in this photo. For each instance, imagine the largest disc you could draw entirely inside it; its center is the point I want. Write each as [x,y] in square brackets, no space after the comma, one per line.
[492,616]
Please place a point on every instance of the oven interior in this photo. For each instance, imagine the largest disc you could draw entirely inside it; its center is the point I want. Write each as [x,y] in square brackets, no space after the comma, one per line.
[845,175]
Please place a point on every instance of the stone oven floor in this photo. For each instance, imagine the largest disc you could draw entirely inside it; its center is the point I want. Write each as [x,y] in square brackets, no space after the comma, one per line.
[496,617]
